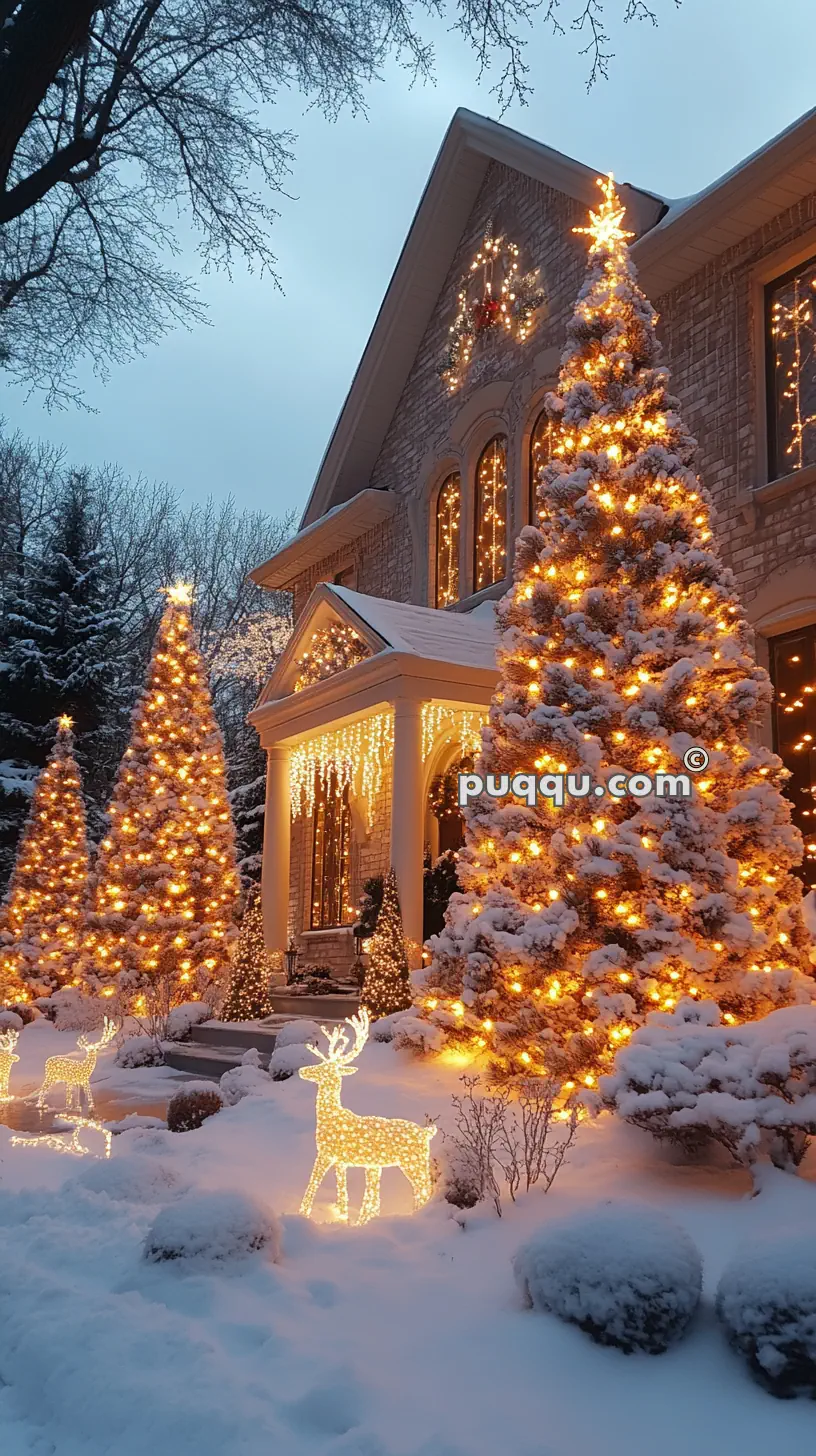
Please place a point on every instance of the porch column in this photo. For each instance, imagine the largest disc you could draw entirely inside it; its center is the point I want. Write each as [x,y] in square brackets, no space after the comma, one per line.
[276,843]
[407,820]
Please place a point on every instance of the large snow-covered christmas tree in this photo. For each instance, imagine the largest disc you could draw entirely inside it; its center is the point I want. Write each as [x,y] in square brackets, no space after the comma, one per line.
[40,925]
[623,646]
[165,883]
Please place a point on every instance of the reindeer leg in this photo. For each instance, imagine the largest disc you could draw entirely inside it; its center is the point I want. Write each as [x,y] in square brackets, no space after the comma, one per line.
[371,1202]
[420,1180]
[321,1167]
[86,1087]
[341,1174]
[41,1096]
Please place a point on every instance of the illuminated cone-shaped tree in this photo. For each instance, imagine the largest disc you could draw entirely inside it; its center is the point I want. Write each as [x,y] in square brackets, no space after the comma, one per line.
[386,987]
[165,883]
[40,936]
[248,994]
[623,645]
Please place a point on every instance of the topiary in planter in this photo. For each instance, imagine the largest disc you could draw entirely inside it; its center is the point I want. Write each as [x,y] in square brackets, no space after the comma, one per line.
[767,1302]
[191,1106]
[624,1274]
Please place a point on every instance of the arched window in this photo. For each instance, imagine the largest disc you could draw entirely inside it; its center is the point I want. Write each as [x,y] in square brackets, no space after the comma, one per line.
[490,543]
[448,516]
[331,838]
[540,451]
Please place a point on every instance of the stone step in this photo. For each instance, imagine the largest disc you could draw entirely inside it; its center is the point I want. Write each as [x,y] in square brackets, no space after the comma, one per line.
[201,1060]
[315,1008]
[238,1034]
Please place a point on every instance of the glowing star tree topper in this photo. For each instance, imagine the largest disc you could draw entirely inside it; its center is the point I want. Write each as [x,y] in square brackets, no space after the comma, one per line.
[623,646]
[345,1140]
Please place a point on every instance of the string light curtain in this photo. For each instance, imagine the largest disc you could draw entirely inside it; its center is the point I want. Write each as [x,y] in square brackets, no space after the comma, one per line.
[356,756]
[540,451]
[448,518]
[490,545]
[789,303]
[466,722]
[793,670]
[331,843]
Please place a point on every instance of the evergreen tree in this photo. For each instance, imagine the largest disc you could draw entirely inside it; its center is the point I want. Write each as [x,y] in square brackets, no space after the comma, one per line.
[60,655]
[41,932]
[247,796]
[386,987]
[623,646]
[165,882]
[248,994]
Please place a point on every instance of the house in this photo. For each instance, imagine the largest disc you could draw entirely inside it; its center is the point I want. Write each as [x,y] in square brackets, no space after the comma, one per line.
[407,536]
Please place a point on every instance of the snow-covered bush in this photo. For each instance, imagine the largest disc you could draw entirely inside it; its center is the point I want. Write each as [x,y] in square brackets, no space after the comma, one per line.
[70,1010]
[192,1105]
[287,1060]
[133,1179]
[767,1302]
[751,1088]
[297,1033]
[10,1021]
[248,1080]
[212,1226]
[417,1036]
[384,1027]
[183,1018]
[503,1141]
[624,1273]
[140,1051]
[23,1010]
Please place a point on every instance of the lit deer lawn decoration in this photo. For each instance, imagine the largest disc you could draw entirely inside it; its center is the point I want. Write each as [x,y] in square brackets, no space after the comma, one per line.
[345,1140]
[8,1041]
[76,1072]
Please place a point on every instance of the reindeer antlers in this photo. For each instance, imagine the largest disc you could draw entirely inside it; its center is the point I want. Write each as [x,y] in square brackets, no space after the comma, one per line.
[8,1039]
[338,1040]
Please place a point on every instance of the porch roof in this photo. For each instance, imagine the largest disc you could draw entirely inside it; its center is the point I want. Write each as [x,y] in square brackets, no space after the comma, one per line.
[466,639]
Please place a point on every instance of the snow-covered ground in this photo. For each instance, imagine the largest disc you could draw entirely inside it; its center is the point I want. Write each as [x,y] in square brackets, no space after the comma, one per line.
[404,1338]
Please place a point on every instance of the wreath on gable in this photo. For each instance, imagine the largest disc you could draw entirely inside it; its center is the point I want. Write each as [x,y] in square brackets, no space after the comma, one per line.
[506,300]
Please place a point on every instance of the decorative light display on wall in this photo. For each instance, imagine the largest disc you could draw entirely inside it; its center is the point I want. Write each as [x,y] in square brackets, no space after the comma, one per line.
[503,300]
[467,722]
[331,650]
[355,756]
[490,545]
[345,1140]
[793,669]
[793,339]
[448,518]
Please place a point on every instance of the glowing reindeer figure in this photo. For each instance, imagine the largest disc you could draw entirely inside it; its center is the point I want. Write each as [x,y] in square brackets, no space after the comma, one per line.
[8,1041]
[345,1140]
[76,1072]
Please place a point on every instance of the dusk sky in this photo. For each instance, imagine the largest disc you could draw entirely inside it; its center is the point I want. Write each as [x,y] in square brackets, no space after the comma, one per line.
[245,404]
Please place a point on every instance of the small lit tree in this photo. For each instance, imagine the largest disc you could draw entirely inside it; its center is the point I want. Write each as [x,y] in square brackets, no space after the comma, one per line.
[386,987]
[40,937]
[165,883]
[248,995]
[624,646]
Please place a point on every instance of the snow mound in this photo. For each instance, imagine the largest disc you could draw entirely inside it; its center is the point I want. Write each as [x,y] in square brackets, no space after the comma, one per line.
[140,1051]
[384,1027]
[183,1018]
[625,1274]
[10,1021]
[418,1036]
[244,1081]
[134,1180]
[214,1227]
[767,1302]
[297,1033]
[287,1060]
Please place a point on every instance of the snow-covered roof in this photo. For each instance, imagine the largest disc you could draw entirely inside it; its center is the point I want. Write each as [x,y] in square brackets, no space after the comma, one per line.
[465,638]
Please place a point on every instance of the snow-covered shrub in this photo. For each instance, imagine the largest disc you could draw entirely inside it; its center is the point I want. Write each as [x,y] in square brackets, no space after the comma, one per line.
[212,1226]
[140,1051]
[417,1036]
[133,1179]
[10,1021]
[503,1141]
[192,1105]
[70,1010]
[183,1018]
[384,1027]
[287,1060]
[624,1273]
[297,1033]
[767,1302]
[248,1080]
[751,1088]
[25,1012]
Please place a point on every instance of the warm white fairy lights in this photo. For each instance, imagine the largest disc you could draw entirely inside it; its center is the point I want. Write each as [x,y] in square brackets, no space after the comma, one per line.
[8,1041]
[346,1140]
[506,300]
[71,1144]
[794,340]
[353,757]
[333,649]
[448,520]
[466,722]
[76,1072]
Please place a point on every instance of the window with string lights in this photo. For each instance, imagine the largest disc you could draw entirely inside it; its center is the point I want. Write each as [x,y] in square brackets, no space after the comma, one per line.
[791,370]
[793,670]
[331,854]
[540,450]
[490,535]
[448,519]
